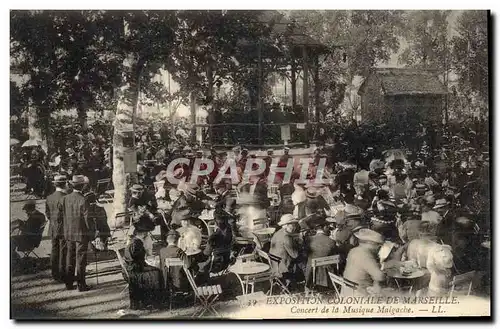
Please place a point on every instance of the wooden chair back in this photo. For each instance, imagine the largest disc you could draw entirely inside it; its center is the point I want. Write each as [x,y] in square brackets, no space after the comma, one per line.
[462,280]
[119,254]
[102,186]
[342,282]
[324,261]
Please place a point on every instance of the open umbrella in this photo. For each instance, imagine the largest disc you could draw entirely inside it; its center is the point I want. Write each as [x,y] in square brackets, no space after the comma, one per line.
[32,142]
[14,141]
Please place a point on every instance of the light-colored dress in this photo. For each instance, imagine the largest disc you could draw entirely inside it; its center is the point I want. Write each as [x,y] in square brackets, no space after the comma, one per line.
[190,239]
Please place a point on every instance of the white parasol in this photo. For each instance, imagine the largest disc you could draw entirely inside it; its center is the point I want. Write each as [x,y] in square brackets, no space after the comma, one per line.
[14,141]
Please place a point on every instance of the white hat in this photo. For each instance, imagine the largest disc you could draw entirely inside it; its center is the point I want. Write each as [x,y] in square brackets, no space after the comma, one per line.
[368,235]
[441,203]
[287,219]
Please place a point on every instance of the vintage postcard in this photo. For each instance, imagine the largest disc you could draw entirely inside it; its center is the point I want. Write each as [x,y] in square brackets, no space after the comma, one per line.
[249,164]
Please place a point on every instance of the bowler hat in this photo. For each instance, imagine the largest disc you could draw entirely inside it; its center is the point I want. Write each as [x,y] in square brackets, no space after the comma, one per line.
[78,180]
[137,188]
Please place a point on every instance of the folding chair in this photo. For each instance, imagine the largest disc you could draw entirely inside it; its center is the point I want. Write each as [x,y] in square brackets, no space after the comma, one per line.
[275,280]
[17,184]
[102,186]
[250,280]
[342,282]
[169,263]
[462,280]
[124,228]
[324,261]
[126,277]
[37,239]
[216,268]
[206,295]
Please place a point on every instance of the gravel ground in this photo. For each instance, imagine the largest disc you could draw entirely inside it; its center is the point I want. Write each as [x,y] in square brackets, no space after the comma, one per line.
[34,295]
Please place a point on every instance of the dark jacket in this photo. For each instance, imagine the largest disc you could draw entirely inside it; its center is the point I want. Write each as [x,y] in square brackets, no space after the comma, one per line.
[76,221]
[319,245]
[53,206]
[32,226]
[219,244]
[177,275]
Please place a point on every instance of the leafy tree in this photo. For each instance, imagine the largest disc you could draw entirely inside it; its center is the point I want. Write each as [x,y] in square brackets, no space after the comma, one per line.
[426,32]
[470,58]
[359,40]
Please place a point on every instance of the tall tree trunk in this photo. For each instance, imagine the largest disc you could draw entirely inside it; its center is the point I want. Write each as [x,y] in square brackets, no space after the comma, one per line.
[38,127]
[82,115]
[128,98]
[192,105]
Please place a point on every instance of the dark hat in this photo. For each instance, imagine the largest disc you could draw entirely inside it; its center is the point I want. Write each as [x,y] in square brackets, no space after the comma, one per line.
[144,224]
[29,205]
[78,180]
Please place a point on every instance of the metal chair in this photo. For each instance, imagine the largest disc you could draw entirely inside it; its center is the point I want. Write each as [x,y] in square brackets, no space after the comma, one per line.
[206,295]
[324,261]
[462,280]
[123,228]
[169,263]
[125,274]
[342,282]
[102,186]
[275,280]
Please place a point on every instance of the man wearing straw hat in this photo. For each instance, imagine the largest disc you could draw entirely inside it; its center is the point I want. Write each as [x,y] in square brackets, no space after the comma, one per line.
[53,205]
[77,233]
[362,266]
[284,245]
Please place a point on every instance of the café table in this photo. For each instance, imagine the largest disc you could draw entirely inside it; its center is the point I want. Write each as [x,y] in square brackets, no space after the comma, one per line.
[411,277]
[245,270]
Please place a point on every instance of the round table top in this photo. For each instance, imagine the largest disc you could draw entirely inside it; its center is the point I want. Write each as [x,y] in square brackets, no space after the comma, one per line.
[193,252]
[396,273]
[249,267]
[265,231]
[486,244]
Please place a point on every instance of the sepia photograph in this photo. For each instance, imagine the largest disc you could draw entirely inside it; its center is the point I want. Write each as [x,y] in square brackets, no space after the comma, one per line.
[250,164]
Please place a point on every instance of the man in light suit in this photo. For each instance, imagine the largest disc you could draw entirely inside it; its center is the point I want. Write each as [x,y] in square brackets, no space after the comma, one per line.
[77,232]
[285,245]
[53,204]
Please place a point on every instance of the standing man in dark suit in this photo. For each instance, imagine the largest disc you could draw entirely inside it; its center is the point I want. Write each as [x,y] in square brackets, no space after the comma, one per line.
[77,233]
[53,204]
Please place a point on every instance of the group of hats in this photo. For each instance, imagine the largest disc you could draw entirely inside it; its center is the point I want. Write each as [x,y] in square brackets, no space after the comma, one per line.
[75,180]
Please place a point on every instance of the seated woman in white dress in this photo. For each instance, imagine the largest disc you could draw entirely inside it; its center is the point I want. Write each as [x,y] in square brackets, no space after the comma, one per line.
[190,235]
